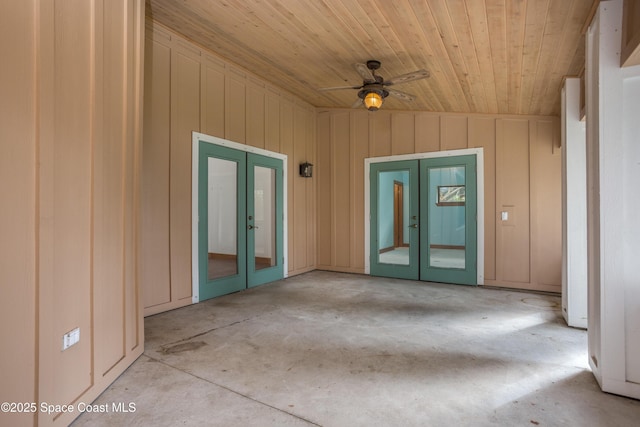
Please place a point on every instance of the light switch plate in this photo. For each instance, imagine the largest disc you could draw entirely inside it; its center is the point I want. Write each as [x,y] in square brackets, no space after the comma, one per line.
[508,216]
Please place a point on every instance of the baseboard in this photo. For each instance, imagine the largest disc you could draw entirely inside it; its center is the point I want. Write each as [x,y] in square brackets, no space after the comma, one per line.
[213,255]
[447,247]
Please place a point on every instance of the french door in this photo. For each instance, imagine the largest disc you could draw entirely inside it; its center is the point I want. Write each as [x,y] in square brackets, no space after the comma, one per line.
[448,239]
[389,258]
[240,220]
[439,238]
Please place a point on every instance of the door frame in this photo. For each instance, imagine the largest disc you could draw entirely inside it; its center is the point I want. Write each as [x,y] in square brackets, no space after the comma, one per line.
[196,138]
[478,152]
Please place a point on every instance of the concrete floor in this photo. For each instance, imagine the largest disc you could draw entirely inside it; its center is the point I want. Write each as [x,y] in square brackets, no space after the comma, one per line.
[334,349]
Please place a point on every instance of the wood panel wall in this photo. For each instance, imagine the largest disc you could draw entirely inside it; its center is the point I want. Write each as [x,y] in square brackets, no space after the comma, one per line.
[190,89]
[71,149]
[522,176]
[18,247]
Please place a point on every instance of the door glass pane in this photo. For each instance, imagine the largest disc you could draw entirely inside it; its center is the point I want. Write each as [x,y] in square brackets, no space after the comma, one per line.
[446,217]
[222,218]
[264,220]
[393,217]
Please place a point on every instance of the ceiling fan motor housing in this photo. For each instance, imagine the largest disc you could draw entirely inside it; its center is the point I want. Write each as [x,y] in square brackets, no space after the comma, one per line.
[373,87]
[373,64]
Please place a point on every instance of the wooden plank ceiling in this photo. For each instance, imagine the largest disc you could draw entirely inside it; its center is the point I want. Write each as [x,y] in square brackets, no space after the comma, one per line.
[484,56]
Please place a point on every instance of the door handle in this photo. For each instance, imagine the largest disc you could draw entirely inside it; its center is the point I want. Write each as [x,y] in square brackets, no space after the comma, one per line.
[251,227]
[413,226]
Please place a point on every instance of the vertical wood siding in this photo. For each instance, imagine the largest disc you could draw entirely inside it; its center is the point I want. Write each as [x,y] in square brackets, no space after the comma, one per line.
[189,89]
[522,176]
[71,151]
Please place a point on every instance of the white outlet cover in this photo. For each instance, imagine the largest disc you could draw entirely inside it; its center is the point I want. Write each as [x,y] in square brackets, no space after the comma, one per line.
[70,338]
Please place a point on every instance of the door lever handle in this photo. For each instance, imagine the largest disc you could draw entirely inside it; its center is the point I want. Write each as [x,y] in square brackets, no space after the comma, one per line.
[251,227]
[413,226]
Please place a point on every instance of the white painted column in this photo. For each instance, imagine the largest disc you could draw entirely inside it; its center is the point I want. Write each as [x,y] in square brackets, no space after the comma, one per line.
[613,176]
[574,207]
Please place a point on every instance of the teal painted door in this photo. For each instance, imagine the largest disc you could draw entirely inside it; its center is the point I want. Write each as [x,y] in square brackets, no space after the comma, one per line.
[423,219]
[448,199]
[265,256]
[394,219]
[239,193]
[222,231]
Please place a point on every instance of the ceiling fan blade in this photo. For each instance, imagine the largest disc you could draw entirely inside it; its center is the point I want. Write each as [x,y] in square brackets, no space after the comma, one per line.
[401,95]
[339,88]
[409,77]
[365,72]
[357,104]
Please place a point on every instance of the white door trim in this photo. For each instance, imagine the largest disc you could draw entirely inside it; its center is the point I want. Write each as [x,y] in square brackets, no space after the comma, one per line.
[198,137]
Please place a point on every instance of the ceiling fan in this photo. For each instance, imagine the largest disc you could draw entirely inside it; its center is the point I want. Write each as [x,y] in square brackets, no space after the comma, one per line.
[374,88]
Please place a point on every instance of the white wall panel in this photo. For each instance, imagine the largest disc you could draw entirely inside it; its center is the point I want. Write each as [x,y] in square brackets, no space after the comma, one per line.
[613,170]
[574,204]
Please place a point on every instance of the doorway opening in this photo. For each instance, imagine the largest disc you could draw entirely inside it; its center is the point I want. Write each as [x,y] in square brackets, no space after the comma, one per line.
[239,225]
[437,233]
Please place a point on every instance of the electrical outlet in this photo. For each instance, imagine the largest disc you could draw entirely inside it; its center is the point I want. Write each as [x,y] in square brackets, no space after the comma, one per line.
[70,338]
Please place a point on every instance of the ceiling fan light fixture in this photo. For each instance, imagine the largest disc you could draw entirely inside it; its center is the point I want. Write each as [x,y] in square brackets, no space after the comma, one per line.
[373,101]
[373,90]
